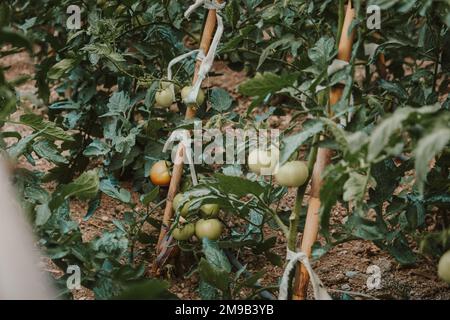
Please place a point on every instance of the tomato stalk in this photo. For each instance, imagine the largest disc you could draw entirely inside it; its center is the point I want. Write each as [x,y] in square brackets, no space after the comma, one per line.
[295,216]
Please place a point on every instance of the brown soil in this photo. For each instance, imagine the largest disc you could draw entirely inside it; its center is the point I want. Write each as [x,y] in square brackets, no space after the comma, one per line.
[343,269]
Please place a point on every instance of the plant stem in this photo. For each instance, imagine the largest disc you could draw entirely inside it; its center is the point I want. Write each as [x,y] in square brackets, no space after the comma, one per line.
[341,13]
[295,216]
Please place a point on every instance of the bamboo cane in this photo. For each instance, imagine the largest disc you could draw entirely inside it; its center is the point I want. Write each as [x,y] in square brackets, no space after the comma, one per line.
[323,159]
[205,42]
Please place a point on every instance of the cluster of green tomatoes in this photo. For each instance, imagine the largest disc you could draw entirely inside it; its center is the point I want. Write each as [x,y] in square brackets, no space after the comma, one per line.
[208,226]
[165,97]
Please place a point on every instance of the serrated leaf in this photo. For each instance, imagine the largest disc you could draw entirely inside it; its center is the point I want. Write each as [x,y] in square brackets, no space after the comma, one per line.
[49,151]
[49,129]
[96,148]
[215,255]
[61,68]
[43,213]
[220,99]
[238,186]
[114,191]
[354,187]
[84,187]
[290,144]
[150,197]
[272,49]
[426,149]
[322,52]
[214,276]
[381,135]
[263,84]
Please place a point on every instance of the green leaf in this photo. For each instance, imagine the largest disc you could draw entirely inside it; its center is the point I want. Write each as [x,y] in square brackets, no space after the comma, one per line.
[14,38]
[291,144]
[84,187]
[16,150]
[96,148]
[426,149]
[43,213]
[146,289]
[150,197]
[49,151]
[263,84]
[49,129]
[215,255]
[322,52]
[382,134]
[220,99]
[394,88]
[272,49]
[207,291]
[237,185]
[338,133]
[61,68]
[114,191]
[8,100]
[118,103]
[354,187]
[214,276]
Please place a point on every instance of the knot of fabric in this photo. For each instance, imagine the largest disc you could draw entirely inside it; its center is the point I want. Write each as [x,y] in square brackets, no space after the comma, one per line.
[320,293]
[184,141]
[207,4]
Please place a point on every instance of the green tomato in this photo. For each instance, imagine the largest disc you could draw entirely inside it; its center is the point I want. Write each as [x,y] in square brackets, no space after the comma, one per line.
[164,98]
[166,85]
[200,96]
[209,228]
[210,210]
[263,161]
[444,267]
[292,174]
[177,202]
[184,232]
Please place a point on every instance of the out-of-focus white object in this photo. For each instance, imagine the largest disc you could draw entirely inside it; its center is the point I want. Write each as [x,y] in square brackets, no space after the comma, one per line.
[20,275]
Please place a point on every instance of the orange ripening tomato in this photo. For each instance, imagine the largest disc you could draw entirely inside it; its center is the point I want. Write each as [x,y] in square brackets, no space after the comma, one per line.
[160,174]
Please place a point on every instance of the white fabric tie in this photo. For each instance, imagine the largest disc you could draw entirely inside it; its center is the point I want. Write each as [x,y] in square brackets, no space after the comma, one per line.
[183,137]
[206,61]
[320,293]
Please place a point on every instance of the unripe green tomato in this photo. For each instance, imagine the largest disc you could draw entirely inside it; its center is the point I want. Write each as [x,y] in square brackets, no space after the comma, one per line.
[210,210]
[209,228]
[177,202]
[200,96]
[166,85]
[263,161]
[292,174]
[164,98]
[184,232]
[444,267]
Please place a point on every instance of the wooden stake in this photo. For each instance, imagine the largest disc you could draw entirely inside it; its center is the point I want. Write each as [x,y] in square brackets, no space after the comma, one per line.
[322,161]
[205,42]
[163,244]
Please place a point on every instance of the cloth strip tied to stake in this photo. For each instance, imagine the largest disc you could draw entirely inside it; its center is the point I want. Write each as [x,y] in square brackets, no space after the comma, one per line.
[320,293]
[206,60]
